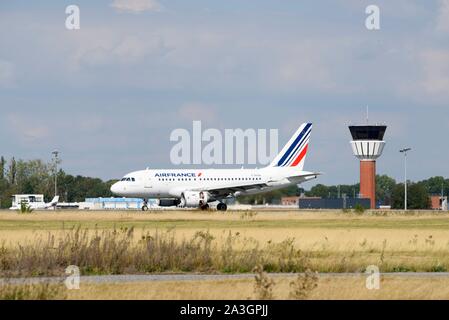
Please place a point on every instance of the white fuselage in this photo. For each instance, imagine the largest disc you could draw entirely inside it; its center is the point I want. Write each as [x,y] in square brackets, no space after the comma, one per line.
[172,183]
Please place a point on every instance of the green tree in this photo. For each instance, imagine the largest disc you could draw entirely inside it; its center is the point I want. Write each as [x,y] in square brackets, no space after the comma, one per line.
[384,188]
[417,196]
[2,168]
[33,176]
[12,171]
[434,185]
[319,190]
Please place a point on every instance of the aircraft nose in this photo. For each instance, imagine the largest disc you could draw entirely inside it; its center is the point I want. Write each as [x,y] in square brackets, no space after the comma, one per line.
[115,188]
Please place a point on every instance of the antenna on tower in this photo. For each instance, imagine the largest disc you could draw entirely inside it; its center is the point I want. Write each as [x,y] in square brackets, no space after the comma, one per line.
[367,114]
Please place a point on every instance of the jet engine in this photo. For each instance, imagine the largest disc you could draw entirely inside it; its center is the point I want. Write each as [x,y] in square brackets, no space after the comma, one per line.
[195,199]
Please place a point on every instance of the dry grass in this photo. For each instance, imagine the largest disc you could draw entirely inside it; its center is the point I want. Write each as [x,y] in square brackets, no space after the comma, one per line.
[42,243]
[345,288]
[327,288]
[119,252]
[29,291]
[304,238]
[124,251]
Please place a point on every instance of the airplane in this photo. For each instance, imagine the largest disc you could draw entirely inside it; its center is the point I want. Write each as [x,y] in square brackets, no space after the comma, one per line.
[38,205]
[198,188]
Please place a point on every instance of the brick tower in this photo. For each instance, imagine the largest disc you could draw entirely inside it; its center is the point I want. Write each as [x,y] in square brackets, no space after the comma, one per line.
[367,144]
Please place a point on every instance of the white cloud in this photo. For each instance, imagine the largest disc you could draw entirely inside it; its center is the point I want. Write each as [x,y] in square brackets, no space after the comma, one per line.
[136,6]
[435,65]
[443,16]
[430,81]
[6,73]
[198,111]
[26,129]
[127,50]
[293,72]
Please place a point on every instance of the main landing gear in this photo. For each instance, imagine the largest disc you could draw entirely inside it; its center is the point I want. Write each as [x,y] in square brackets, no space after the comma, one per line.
[204,206]
[222,207]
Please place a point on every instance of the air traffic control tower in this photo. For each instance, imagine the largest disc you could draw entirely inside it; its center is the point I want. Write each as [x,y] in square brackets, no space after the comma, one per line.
[367,144]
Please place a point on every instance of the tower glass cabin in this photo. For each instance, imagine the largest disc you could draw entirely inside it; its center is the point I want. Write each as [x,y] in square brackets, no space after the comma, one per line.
[367,145]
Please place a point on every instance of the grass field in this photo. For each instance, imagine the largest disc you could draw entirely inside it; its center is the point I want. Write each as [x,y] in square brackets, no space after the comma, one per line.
[328,241]
[328,288]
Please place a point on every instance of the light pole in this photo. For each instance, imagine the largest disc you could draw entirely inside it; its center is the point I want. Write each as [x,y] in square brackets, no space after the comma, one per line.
[55,160]
[404,151]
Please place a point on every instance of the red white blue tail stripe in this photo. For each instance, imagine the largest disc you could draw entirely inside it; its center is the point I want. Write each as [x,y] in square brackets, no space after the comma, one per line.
[295,151]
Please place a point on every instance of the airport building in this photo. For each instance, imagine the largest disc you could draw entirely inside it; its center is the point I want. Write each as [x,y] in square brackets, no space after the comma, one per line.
[333,203]
[17,199]
[438,202]
[115,203]
[303,202]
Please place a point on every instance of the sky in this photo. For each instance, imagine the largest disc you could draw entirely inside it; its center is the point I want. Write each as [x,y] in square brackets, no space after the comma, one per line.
[108,95]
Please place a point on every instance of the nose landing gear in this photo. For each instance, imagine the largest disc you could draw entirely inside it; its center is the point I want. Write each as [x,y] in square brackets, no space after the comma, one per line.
[145,205]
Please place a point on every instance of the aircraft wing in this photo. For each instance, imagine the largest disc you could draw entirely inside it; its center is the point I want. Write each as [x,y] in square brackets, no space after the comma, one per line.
[232,189]
[304,177]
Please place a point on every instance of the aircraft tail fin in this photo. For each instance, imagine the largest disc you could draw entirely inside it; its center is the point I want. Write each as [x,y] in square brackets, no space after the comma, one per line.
[54,202]
[295,151]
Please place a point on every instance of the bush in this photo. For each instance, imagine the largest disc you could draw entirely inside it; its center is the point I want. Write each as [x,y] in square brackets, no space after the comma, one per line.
[438,268]
[25,208]
[303,285]
[263,286]
[359,209]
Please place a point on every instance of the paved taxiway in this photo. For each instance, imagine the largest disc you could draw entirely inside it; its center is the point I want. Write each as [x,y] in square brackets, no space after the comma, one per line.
[206,277]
